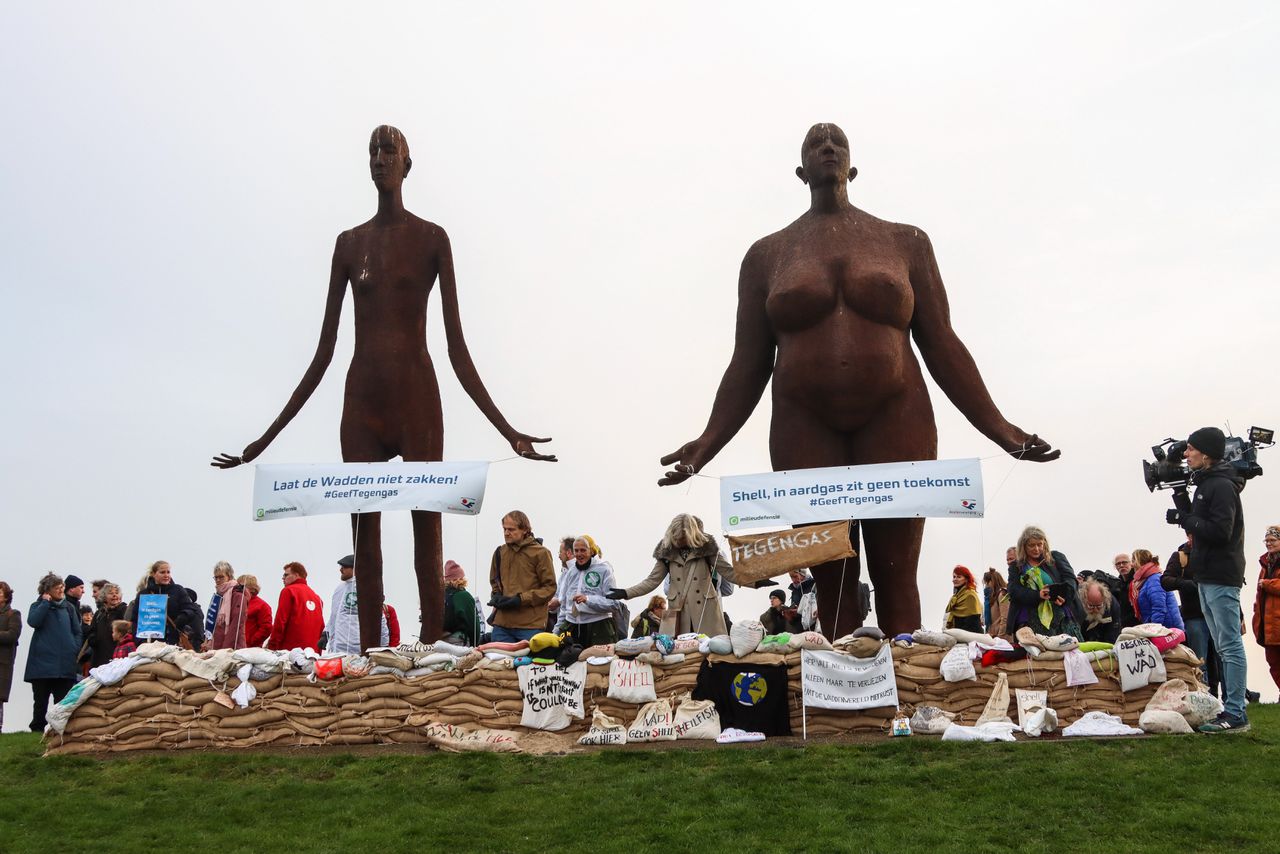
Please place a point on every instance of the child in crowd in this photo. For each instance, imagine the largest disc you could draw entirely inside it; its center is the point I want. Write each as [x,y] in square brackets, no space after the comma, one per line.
[122,634]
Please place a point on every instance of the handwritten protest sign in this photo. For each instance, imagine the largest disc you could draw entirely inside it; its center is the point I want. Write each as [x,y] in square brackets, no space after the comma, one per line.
[835,681]
[152,610]
[631,681]
[284,491]
[757,556]
[882,491]
[1140,663]
[552,694]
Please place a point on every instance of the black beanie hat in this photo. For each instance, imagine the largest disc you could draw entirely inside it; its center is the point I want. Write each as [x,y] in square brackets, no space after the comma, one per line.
[76,581]
[779,595]
[1209,441]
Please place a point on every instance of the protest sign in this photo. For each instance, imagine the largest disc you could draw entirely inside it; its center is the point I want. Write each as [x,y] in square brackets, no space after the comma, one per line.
[552,694]
[882,491]
[1139,663]
[835,681]
[757,556]
[283,491]
[152,610]
[631,681]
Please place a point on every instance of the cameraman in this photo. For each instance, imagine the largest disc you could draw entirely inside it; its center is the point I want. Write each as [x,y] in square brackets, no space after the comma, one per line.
[1214,520]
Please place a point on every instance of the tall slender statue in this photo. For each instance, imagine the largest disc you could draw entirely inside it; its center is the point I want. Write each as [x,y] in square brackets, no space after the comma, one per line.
[391,406]
[828,307]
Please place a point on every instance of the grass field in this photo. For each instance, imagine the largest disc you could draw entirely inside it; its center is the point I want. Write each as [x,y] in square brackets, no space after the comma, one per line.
[1187,793]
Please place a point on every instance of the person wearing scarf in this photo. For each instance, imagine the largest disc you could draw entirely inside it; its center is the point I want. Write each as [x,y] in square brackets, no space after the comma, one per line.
[964,610]
[232,616]
[1266,606]
[1151,602]
[1034,569]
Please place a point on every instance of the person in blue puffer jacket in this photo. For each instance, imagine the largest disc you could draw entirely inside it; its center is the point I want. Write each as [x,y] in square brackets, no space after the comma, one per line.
[1151,602]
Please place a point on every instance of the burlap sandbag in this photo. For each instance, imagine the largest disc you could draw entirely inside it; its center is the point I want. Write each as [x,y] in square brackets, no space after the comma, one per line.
[604,730]
[997,705]
[654,722]
[696,718]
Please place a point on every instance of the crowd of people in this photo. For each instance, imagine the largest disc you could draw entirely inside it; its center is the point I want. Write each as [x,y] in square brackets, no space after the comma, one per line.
[1197,592]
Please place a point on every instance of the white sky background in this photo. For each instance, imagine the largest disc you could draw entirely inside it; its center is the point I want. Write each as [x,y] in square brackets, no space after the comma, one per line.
[1099,182]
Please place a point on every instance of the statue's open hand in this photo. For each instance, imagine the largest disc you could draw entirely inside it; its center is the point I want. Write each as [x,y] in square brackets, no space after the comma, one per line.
[250,453]
[1034,449]
[688,460]
[522,444]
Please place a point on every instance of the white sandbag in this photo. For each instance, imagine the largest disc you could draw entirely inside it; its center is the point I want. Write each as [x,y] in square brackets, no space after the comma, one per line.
[956,665]
[993,731]
[245,692]
[115,669]
[433,658]
[450,648]
[61,711]
[746,636]
[655,722]
[810,640]
[997,708]
[1041,720]
[1202,708]
[604,730]
[1097,723]
[671,660]
[631,681]
[931,720]
[1164,721]
[264,658]
[633,646]
[965,636]
[720,645]
[1171,696]
[696,718]
[941,639]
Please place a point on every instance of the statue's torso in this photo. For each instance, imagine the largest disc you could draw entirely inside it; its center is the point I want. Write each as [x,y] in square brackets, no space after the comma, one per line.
[840,303]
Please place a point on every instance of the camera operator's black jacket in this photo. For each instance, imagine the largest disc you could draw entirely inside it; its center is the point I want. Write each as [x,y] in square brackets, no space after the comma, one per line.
[1216,526]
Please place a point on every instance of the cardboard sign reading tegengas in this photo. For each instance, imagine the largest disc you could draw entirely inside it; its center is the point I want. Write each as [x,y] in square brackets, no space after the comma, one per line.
[758,556]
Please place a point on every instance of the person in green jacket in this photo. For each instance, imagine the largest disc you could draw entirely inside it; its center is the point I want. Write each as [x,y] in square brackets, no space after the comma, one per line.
[461,619]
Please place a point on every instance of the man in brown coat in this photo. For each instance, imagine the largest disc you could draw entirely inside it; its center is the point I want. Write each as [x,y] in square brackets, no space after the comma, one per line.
[523,581]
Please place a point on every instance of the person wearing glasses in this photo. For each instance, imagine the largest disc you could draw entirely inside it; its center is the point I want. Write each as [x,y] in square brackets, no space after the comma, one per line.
[1266,605]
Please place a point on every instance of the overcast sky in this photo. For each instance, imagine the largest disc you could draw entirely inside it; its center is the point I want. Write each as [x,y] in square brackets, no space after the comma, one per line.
[1099,182]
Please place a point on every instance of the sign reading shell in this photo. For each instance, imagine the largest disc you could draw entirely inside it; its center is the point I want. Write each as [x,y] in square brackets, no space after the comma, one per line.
[757,556]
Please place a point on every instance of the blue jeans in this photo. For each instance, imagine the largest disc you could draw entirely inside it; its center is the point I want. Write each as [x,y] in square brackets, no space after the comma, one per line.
[1198,639]
[1221,605]
[501,634]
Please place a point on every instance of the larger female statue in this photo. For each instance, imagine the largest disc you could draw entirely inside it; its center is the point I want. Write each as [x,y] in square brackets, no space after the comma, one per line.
[828,307]
[392,401]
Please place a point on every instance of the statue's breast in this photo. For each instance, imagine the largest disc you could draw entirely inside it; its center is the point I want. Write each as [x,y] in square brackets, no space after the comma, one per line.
[804,291]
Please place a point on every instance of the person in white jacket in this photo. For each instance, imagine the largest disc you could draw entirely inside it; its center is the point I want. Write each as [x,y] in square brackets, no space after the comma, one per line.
[342,631]
[585,612]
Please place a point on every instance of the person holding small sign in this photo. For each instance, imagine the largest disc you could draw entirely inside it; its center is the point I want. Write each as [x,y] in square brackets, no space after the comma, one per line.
[183,619]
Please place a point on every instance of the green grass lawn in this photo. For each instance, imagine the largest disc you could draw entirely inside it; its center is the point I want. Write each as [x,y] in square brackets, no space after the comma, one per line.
[1174,793]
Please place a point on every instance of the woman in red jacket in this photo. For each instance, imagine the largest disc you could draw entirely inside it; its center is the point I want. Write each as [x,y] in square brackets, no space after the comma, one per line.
[257,624]
[1266,605]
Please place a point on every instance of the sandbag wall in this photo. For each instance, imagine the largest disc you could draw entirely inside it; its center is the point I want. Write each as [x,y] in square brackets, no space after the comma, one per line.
[157,706]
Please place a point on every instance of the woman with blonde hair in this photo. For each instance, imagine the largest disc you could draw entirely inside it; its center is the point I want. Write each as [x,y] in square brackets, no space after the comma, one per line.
[691,558]
[102,646]
[1043,591]
[228,613]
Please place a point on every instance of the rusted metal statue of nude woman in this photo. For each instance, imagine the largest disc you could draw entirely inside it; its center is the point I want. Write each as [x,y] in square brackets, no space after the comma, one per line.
[392,401]
[828,307]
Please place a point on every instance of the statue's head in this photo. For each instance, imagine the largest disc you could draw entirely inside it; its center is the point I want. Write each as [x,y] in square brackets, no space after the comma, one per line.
[824,156]
[389,160]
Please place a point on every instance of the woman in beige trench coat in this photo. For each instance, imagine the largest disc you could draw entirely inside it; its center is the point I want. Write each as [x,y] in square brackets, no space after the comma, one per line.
[691,557]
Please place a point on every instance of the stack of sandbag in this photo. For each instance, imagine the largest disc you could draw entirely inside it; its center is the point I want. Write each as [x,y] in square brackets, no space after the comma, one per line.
[920,682]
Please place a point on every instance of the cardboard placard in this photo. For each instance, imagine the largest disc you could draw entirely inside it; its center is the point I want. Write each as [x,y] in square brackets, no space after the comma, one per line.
[758,556]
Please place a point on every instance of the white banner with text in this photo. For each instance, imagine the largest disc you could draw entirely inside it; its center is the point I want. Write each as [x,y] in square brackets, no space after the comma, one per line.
[880,491]
[835,681]
[283,491]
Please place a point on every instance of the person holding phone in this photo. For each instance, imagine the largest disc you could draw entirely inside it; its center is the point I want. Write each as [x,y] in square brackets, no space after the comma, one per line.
[1043,592]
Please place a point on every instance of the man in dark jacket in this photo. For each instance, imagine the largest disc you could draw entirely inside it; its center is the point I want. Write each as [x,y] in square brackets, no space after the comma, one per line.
[1214,520]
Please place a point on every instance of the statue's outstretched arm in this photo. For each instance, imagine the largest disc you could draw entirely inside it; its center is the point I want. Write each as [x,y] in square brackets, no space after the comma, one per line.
[465,368]
[315,371]
[951,364]
[744,380]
